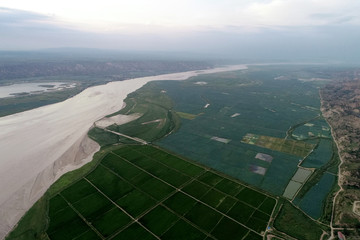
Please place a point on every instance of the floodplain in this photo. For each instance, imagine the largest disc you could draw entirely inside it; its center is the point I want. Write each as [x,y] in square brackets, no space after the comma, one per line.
[248,164]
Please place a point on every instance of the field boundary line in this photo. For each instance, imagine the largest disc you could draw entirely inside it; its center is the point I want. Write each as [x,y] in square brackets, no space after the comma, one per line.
[178,189]
[206,170]
[126,136]
[158,202]
[114,203]
[82,217]
[214,171]
[208,234]
[146,155]
[221,213]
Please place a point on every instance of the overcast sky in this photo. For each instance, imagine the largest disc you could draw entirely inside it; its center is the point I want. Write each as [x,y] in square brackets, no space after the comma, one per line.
[328,29]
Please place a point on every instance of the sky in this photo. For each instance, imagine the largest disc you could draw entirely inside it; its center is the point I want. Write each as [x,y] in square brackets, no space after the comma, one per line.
[323,29]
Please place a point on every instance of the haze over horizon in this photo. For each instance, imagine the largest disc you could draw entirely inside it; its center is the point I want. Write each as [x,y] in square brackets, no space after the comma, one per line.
[307,29]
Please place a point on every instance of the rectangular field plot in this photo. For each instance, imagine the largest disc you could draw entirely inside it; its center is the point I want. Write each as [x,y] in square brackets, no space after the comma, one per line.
[135,231]
[123,168]
[297,148]
[228,229]
[291,189]
[196,189]
[203,217]
[109,183]
[111,221]
[301,175]
[78,191]
[93,205]
[70,230]
[229,187]
[136,202]
[264,157]
[159,220]
[251,197]
[268,205]
[60,218]
[183,230]
[156,195]
[180,203]
[173,177]
[156,188]
[56,204]
[213,198]
[210,178]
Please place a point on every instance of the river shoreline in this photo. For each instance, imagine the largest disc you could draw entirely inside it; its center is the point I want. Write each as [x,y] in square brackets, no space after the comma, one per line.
[40,145]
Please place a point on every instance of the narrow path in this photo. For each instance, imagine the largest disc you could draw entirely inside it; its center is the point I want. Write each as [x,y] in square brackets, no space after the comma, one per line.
[332,236]
[126,136]
[82,217]
[123,210]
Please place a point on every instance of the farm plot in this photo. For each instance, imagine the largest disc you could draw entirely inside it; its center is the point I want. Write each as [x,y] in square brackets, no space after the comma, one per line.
[153,108]
[296,182]
[312,129]
[312,202]
[321,155]
[141,192]
[267,110]
[297,148]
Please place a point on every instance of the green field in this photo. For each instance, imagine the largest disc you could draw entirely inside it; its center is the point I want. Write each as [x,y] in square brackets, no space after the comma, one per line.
[296,183]
[144,192]
[187,116]
[238,106]
[296,224]
[313,201]
[155,108]
[321,155]
[292,147]
[312,129]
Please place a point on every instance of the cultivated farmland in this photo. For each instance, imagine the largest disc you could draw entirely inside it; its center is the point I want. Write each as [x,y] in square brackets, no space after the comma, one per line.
[251,113]
[142,192]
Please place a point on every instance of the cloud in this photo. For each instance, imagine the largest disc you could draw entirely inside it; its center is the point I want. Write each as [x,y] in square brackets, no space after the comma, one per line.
[144,15]
[302,12]
[260,29]
[14,17]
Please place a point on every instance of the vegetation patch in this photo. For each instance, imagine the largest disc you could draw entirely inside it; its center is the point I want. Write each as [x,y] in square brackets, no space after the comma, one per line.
[106,202]
[203,217]
[313,201]
[151,104]
[159,220]
[187,116]
[321,155]
[317,128]
[291,189]
[297,148]
[297,224]
[301,175]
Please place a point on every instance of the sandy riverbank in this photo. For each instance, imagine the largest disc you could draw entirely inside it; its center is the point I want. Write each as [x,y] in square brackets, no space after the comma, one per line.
[40,145]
